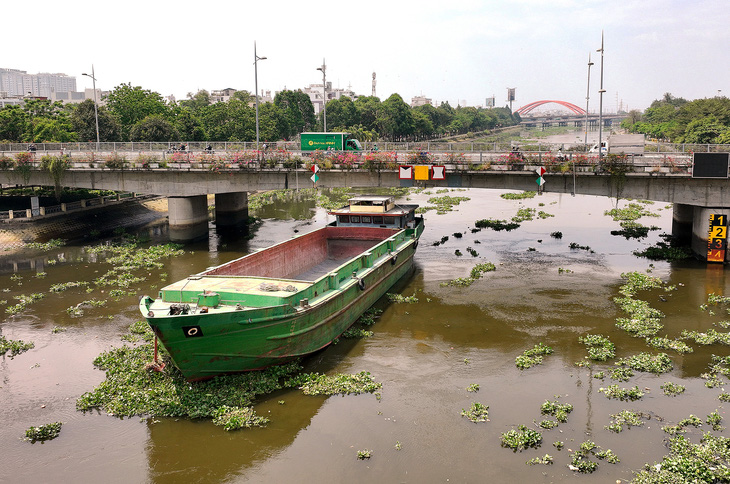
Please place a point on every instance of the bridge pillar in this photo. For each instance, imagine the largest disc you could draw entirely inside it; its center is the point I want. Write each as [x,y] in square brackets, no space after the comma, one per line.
[231,208]
[701,227]
[188,217]
[682,218]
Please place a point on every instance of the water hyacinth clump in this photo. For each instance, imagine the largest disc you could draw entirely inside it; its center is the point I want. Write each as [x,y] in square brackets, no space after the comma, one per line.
[235,418]
[547,459]
[599,347]
[399,298]
[477,413]
[672,389]
[707,461]
[710,337]
[532,356]
[318,384]
[15,347]
[626,418]
[614,392]
[669,344]
[521,438]
[580,459]
[43,432]
[657,364]
[558,410]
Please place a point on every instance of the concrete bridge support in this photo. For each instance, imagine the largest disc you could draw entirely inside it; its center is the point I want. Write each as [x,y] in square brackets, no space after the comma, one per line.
[188,217]
[682,220]
[231,208]
[701,227]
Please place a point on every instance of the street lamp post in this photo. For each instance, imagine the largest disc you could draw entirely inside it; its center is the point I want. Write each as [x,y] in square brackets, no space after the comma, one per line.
[96,110]
[256,60]
[324,93]
[588,96]
[600,105]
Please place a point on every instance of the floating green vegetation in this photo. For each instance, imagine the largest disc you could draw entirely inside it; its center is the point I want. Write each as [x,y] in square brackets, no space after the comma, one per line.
[621,374]
[319,384]
[547,459]
[399,298]
[518,196]
[23,302]
[446,203]
[532,356]
[132,388]
[580,459]
[559,444]
[623,394]
[370,316]
[474,387]
[524,215]
[710,337]
[364,454]
[521,438]
[706,462]
[643,320]
[669,344]
[672,389]
[632,212]
[476,273]
[668,250]
[78,310]
[58,329]
[548,424]
[626,418]
[357,333]
[235,418]
[599,347]
[15,347]
[63,286]
[715,420]
[477,413]
[575,245]
[638,281]
[556,235]
[558,410]
[43,432]
[680,427]
[657,364]
[496,225]
[458,253]
[46,246]
[544,215]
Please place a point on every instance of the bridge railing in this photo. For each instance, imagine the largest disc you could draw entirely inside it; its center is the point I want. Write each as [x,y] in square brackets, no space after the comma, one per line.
[27,213]
[166,150]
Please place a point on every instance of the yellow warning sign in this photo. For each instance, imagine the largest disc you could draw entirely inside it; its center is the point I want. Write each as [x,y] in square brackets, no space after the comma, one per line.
[421,172]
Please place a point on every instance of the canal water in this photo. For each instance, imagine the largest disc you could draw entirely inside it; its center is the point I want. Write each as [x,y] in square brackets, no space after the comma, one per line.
[425,354]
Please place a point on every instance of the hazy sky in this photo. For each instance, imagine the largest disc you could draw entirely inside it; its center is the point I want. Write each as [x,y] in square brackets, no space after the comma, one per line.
[456,51]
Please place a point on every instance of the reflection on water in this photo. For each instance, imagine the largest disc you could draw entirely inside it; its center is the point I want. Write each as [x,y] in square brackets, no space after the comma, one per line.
[426,354]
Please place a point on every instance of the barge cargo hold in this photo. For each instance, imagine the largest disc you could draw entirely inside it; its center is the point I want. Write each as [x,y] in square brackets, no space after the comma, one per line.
[290,299]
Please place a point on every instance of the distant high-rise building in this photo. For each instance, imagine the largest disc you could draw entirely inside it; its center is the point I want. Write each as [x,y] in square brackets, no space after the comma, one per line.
[19,83]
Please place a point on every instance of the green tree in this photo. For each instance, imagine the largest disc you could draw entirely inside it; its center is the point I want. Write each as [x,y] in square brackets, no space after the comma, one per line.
[342,112]
[53,130]
[395,119]
[13,124]
[704,130]
[298,111]
[154,128]
[368,108]
[130,105]
[83,120]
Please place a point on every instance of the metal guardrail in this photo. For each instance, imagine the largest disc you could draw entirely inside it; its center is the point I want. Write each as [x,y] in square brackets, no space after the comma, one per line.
[234,146]
[78,205]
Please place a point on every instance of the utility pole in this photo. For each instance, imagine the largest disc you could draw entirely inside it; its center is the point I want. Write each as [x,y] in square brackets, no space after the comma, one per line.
[324,92]
[600,105]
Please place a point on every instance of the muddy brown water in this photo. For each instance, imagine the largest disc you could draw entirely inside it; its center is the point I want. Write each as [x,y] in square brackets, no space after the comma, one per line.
[425,354]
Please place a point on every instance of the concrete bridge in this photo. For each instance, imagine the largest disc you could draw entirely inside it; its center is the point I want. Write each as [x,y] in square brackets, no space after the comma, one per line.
[659,179]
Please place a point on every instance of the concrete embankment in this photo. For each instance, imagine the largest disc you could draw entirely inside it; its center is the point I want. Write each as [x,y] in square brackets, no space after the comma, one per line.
[78,225]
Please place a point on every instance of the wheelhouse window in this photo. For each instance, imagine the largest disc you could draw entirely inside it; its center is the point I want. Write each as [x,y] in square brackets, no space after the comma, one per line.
[366,219]
[377,220]
[344,219]
[355,219]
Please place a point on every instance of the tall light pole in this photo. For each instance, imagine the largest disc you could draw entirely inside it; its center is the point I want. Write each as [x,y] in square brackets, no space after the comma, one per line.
[324,92]
[256,60]
[600,104]
[588,96]
[96,109]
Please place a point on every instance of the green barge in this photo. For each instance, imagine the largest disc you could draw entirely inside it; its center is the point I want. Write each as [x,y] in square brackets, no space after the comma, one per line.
[290,299]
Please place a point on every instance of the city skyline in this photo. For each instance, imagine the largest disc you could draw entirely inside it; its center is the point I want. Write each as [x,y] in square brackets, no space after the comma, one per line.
[469,51]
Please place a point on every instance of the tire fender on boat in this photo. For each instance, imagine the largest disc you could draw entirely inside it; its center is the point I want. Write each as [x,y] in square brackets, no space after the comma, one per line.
[415,244]
[361,284]
[394,259]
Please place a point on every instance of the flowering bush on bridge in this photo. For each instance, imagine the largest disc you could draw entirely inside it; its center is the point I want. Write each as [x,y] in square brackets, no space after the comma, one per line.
[244,159]
[6,162]
[419,157]
[380,160]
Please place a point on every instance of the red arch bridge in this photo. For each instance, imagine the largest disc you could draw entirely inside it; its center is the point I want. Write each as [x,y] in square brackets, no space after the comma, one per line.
[529,107]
